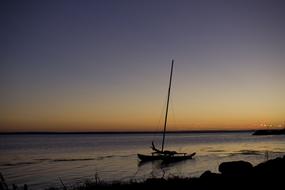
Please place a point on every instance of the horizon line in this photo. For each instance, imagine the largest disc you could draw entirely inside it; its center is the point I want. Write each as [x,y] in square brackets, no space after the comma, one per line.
[124,132]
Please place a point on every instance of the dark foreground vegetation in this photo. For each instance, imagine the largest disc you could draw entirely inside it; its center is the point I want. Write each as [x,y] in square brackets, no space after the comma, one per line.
[233,175]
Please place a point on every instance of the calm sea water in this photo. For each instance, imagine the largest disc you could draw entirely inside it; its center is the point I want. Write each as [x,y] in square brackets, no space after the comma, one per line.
[39,160]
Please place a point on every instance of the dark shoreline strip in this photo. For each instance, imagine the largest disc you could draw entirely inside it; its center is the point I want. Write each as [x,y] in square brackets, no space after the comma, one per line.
[123,132]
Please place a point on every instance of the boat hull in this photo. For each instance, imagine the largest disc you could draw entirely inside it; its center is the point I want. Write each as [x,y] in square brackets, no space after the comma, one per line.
[176,158]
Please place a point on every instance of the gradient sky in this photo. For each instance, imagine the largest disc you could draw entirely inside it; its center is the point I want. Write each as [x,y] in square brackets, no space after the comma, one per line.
[104,65]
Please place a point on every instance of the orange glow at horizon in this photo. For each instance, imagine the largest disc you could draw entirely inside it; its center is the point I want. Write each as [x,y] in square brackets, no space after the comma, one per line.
[141,107]
[184,114]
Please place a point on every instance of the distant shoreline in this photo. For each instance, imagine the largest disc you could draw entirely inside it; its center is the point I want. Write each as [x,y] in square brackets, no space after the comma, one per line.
[123,132]
[270,132]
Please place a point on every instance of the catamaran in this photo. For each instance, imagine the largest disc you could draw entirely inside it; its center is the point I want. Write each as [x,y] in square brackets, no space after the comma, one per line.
[162,154]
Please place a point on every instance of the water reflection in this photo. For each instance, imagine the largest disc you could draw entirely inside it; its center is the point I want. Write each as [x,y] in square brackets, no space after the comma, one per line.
[41,159]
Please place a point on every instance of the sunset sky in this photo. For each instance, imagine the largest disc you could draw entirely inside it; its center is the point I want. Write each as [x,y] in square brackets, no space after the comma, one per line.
[104,65]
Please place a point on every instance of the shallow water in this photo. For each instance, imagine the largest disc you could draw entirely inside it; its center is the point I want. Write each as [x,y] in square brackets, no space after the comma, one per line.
[39,160]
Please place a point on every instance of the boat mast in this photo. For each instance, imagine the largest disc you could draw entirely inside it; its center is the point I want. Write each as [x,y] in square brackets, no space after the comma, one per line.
[166,113]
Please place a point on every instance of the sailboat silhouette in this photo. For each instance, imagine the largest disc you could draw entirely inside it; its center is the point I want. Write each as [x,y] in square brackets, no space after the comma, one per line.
[165,155]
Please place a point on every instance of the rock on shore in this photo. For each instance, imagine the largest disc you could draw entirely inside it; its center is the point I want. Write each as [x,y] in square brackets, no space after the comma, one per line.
[242,175]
